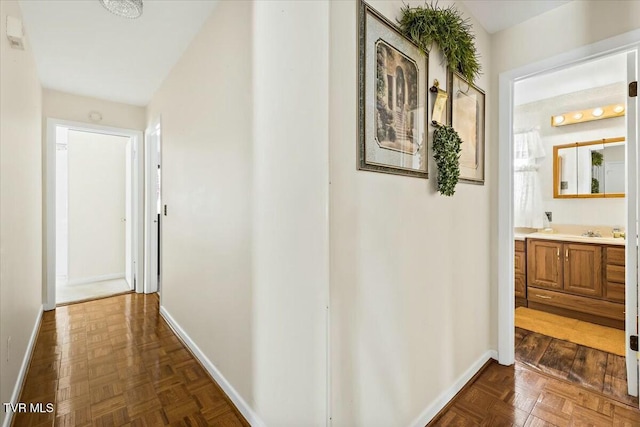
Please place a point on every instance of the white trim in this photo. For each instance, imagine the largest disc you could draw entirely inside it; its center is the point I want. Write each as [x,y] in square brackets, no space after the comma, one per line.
[613,45]
[17,388]
[93,279]
[150,156]
[226,386]
[441,401]
[50,182]
[631,250]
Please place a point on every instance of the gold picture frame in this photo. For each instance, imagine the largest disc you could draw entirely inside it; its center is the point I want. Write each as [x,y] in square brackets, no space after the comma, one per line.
[466,107]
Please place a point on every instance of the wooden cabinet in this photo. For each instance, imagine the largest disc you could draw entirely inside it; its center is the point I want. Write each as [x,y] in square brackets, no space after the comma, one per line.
[544,264]
[585,281]
[583,269]
[614,274]
[520,276]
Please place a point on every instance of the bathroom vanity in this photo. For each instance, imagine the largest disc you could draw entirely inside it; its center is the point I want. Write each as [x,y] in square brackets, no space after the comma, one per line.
[572,276]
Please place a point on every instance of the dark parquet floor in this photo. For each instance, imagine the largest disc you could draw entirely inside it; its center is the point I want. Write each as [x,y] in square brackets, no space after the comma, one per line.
[116,362]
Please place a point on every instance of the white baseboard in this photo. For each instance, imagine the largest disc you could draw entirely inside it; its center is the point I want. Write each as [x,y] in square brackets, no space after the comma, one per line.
[17,388]
[436,406]
[226,386]
[87,280]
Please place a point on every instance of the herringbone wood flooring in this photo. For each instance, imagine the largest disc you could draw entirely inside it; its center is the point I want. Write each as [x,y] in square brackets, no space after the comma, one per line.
[115,362]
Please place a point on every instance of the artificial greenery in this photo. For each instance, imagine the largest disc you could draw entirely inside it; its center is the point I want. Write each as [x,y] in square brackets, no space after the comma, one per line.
[445,27]
[446,152]
[596,158]
[595,186]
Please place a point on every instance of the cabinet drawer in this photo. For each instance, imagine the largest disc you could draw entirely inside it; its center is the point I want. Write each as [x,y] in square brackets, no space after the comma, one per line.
[520,286]
[614,292]
[608,309]
[519,245]
[615,273]
[615,255]
[519,263]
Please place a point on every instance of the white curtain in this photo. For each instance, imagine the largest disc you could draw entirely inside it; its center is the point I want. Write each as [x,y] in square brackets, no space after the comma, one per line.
[528,153]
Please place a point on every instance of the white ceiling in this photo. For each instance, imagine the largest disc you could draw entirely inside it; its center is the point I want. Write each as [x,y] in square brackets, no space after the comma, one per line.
[83,49]
[596,73]
[497,15]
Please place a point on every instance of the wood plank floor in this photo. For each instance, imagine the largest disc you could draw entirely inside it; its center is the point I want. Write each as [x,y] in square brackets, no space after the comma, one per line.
[115,362]
[552,383]
[594,369]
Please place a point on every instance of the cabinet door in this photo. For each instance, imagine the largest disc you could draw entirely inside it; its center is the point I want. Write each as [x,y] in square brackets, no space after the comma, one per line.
[519,263]
[520,286]
[544,264]
[583,269]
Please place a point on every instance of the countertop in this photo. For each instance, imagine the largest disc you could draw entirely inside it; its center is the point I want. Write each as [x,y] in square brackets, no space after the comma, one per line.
[570,238]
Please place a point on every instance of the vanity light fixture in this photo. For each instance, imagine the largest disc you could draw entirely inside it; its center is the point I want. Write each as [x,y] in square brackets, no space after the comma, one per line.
[581,116]
[126,8]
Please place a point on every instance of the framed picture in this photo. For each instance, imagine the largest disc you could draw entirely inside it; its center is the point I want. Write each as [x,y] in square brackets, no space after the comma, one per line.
[466,115]
[392,95]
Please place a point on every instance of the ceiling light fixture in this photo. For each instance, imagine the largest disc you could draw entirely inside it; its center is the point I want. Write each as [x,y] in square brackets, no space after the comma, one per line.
[558,119]
[126,8]
[577,116]
[618,109]
[597,112]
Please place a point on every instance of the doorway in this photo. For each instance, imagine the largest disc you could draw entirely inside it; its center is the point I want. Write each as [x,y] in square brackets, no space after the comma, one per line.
[627,46]
[93,212]
[569,129]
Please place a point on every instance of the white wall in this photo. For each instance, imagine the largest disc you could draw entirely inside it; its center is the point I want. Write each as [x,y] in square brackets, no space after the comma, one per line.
[606,211]
[245,179]
[20,202]
[410,288]
[96,195]
[291,222]
[76,108]
[206,104]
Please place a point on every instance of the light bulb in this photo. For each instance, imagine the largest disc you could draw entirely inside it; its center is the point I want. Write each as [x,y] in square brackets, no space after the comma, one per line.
[597,112]
[618,109]
[558,119]
[577,116]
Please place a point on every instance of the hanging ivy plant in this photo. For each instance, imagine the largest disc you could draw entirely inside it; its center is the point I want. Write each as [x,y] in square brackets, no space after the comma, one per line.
[445,27]
[446,152]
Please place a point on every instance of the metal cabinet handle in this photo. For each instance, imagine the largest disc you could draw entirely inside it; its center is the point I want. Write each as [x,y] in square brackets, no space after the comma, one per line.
[544,296]
[558,252]
[566,254]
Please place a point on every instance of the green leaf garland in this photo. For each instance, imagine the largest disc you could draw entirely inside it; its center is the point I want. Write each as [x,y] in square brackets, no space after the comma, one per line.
[446,152]
[445,27]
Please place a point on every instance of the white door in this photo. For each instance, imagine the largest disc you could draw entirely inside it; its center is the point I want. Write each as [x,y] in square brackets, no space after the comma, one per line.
[152,205]
[631,292]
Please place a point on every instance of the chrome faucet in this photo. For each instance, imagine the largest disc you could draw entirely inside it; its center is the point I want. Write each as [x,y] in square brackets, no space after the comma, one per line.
[590,233]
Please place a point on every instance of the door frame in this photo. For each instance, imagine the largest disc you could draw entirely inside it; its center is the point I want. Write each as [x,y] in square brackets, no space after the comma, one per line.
[506,322]
[49,253]
[150,262]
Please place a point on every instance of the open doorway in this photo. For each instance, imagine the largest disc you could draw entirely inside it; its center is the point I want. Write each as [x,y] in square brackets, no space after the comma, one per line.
[93,212]
[569,222]
[558,260]
[92,237]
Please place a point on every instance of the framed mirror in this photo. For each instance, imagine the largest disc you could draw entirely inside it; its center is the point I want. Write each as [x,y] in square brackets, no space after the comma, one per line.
[589,169]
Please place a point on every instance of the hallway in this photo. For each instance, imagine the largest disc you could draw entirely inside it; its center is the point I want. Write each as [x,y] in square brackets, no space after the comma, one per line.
[115,361]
